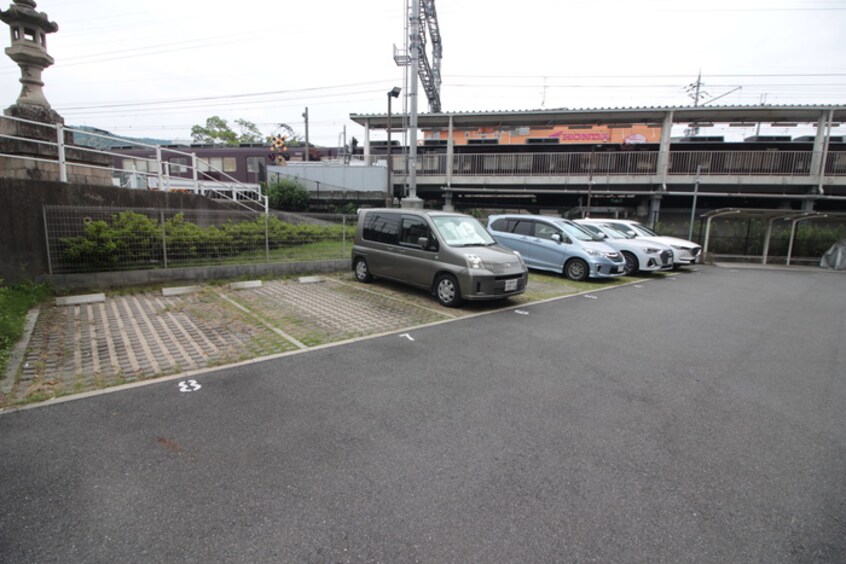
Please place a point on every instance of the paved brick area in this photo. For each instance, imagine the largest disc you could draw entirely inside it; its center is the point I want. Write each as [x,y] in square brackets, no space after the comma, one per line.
[143,335]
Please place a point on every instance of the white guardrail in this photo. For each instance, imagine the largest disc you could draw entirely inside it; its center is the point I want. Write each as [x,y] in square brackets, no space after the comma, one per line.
[49,143]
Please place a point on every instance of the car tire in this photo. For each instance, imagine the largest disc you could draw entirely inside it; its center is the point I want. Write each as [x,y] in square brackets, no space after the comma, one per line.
[362,271]
[576,269]
[632,264]
[447,290]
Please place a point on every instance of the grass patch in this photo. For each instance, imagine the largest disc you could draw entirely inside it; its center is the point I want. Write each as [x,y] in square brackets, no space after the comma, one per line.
[15,301]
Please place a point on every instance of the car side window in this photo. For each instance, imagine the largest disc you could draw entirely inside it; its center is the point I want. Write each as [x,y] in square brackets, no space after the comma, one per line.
[544,231]
[500,224]
[523,227]
[412,229]
[382,228]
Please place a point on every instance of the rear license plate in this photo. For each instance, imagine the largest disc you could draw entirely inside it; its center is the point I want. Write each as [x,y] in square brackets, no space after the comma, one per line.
[510,285]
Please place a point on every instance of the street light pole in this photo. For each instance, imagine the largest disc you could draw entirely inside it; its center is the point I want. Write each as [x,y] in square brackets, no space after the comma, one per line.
[586,211]
[305,116]
[693,206]
[392,93]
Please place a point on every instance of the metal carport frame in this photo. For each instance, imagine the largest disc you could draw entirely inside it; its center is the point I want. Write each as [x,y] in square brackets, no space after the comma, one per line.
[772,216]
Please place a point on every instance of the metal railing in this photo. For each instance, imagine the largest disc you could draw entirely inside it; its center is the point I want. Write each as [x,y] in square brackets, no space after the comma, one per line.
[743,163]
[52,143]
[97,239]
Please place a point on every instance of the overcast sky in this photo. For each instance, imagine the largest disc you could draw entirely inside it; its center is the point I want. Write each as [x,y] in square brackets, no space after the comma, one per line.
[156,67]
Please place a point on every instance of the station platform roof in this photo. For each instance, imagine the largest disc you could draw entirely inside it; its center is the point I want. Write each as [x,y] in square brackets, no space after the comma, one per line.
[740,115]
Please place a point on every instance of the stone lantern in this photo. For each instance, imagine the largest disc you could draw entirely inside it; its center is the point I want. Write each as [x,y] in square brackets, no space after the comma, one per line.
[34,144]
[29,30]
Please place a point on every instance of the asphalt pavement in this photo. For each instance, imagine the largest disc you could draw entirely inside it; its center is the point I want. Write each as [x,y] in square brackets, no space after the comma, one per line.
[85,343]
[693,418]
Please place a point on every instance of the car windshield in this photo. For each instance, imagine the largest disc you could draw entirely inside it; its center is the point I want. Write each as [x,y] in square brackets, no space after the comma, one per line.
[593,229]
[457,231]
[614,233]
[576,232]
[643,231]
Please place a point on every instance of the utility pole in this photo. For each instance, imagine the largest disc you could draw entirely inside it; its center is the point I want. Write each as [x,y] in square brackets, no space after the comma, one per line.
[412,201]
[695,91]
[305,116]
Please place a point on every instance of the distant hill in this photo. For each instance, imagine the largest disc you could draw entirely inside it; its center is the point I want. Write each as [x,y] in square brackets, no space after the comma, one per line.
[82,136]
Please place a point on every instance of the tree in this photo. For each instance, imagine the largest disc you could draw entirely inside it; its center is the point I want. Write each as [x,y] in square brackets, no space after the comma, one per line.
[287,194]
[218,132]
[249,132]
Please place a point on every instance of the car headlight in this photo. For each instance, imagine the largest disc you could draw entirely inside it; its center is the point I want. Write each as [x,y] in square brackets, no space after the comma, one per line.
[679,247]
[593,253]
[651,251]
[474,262]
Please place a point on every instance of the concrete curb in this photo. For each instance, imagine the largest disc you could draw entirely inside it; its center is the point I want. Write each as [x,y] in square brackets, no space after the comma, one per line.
[17,356]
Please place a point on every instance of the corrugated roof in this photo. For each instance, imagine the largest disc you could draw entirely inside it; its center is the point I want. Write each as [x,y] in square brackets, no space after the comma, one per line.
[809,113]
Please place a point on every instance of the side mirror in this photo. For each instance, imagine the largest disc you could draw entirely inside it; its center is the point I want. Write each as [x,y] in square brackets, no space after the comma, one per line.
[428,243]
[556,237]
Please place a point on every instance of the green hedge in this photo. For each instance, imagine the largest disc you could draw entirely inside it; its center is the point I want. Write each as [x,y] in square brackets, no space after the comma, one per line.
[131,239]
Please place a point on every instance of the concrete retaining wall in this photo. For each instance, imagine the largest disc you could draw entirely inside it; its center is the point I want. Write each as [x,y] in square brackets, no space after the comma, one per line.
[23,243]
[106,280]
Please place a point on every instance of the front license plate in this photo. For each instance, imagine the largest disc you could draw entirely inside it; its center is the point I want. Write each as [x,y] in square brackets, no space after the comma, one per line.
[510,285]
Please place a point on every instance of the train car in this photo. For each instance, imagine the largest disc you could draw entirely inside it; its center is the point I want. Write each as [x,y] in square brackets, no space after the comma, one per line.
[244,163]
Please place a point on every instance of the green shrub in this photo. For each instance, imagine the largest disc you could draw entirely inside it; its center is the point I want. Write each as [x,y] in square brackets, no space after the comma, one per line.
[287,194]
[105,244]
[131,240]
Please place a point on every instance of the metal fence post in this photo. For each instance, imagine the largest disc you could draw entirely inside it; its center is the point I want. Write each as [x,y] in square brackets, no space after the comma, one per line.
[164,237]
[47,239]
[266,232]
[344,236]
[746,242]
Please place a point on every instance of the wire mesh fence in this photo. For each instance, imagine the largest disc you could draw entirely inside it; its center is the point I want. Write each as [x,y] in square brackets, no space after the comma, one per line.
[98,239]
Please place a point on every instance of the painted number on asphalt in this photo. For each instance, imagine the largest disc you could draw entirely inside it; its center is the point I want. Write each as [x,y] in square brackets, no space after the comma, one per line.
[189,386]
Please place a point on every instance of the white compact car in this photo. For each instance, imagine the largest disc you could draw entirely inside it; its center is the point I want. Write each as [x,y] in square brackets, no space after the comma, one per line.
[641,255]
[684,252]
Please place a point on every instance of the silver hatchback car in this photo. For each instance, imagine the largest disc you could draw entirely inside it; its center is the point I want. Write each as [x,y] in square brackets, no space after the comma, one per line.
[450,254]
[558,245]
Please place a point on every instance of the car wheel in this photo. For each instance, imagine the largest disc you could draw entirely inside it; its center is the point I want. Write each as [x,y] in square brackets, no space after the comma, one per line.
[447,290]
[362,272]
[576,269]
[632,264]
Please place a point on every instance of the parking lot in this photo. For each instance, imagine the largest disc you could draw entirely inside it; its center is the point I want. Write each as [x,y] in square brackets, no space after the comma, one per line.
[696,417]
[137,335]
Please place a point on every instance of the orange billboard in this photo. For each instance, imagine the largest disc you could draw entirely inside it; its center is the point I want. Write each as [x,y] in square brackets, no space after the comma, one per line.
[564,134]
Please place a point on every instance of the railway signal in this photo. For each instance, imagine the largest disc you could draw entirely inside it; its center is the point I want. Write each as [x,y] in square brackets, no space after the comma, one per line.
[279,149]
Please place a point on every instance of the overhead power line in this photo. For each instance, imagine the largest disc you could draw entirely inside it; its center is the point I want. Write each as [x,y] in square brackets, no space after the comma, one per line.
[225,97]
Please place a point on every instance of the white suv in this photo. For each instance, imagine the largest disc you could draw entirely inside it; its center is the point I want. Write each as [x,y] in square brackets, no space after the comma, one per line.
[685,252]
[640,255]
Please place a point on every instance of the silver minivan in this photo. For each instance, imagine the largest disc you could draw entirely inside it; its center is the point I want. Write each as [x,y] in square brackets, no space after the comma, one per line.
[450,254]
